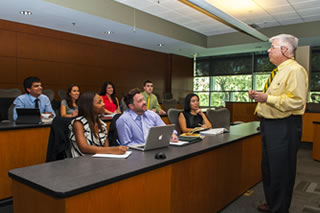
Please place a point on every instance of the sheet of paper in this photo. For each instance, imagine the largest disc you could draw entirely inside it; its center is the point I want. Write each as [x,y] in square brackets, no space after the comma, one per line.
[125,155]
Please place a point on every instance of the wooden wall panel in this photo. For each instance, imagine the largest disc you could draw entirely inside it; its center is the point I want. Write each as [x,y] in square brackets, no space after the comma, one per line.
[8,69]
[60,59]
[182,76]
[7,43]
[36,47]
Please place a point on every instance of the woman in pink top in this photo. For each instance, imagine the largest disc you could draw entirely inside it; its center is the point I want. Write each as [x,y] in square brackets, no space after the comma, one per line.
[111,102]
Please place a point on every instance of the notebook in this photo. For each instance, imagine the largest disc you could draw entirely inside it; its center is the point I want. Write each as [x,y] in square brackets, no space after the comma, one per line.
[28,116]
[158,137]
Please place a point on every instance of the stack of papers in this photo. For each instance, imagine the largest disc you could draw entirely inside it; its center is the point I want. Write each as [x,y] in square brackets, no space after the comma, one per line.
[215,131]
[125,155]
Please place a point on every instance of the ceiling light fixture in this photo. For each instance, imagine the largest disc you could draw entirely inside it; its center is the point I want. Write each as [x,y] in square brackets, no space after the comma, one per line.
[210,10]
[160,45]
[108,32]
[26,12]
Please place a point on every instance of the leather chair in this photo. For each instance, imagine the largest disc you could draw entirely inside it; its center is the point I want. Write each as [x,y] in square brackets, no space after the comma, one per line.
[173,117]
[168,104]
[219,118]
[10,93]
[62,94]
[49,93]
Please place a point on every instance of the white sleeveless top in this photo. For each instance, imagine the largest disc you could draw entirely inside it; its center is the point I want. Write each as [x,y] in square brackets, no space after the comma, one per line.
[89,135]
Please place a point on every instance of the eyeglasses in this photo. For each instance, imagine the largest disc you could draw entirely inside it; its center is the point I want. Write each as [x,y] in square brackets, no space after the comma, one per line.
[275,46]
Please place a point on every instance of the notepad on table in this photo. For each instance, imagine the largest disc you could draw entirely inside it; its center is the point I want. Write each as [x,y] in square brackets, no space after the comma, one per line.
[125,155]
[215,131]
[179,143]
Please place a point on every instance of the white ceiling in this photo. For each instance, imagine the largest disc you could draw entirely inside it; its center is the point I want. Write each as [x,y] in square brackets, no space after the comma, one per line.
[264,13]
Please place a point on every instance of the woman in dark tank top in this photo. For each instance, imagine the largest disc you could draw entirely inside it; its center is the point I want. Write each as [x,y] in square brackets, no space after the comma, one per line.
[192,116]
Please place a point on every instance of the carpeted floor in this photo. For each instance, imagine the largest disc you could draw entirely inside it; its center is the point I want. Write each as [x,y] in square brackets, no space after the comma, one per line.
[306,197]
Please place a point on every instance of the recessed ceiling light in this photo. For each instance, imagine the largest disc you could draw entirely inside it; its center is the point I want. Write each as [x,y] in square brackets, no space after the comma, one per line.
[160,45]
[108,32]
[26,12]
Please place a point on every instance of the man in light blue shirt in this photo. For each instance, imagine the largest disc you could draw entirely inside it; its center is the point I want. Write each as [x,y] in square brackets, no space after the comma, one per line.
[33,98]
[134,124]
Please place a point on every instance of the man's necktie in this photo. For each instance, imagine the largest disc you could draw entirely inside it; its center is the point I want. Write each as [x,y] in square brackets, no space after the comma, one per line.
[271,77]
[267,85]
[148,102]
[36,103]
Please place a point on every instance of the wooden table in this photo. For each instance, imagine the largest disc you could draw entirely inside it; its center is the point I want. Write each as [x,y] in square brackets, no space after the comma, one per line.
[200,177]
[20,146]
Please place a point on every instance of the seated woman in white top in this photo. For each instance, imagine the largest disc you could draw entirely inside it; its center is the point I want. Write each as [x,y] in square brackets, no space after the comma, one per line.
[69,106]
[88,132]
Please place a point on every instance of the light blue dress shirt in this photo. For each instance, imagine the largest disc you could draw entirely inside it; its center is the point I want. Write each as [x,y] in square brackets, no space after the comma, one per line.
[131,132]
[28,101]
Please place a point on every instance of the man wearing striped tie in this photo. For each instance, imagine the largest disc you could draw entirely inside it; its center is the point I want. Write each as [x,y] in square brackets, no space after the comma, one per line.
[280,107]
[151,99]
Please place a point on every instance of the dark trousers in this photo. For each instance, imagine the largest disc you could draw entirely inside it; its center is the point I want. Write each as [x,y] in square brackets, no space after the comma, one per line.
[280,142]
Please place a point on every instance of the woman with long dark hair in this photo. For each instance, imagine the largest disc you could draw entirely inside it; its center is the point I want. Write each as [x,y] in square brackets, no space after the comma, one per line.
[69,106]
[192,116]
[88,132]
[111,102]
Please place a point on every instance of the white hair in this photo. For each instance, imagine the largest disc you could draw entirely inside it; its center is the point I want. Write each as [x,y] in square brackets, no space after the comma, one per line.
[287,40]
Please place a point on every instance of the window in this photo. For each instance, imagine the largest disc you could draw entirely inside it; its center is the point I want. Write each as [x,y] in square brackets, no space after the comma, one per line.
[229,78]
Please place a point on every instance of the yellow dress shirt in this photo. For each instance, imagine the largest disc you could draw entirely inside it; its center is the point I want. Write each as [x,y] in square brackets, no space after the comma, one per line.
[287,94]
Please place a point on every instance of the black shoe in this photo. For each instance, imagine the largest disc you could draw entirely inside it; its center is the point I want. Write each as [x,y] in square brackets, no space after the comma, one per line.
[264,208]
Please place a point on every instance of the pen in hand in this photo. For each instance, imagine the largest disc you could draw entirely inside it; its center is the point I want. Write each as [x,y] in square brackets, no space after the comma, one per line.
[118,142]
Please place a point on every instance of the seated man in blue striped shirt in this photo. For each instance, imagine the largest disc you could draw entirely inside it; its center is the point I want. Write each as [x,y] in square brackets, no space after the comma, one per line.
[33,98]
[134,124]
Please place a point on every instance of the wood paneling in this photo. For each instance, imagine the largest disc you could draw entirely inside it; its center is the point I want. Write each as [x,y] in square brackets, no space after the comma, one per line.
[28,198]
[307,126]
[251,161]
[241,111]
[7,43]
[20,148]
[8,70]
[316,142]
[182,76]
[60,59]
[193,184]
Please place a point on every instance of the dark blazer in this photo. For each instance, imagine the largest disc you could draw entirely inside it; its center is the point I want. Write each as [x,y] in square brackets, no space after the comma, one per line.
[58,143]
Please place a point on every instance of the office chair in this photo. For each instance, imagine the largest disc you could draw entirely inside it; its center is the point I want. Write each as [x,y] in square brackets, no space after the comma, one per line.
[169,103]
[219,118]
[123,105]
[49,93]
[62,94]
[173,117]
[10,93]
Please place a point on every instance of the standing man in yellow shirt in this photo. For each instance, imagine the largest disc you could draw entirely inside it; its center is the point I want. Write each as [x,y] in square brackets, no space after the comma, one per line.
[280,108]
[151,99]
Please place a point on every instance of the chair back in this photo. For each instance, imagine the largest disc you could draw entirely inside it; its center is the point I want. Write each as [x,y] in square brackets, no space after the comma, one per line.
[49,93]
[123,105]
[169,103]
[10,93]
[62,94]
[219,118]
[7,97]
[173,117]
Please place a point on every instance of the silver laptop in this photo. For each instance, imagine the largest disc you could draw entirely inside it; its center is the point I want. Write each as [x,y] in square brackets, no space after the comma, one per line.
[158,137]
